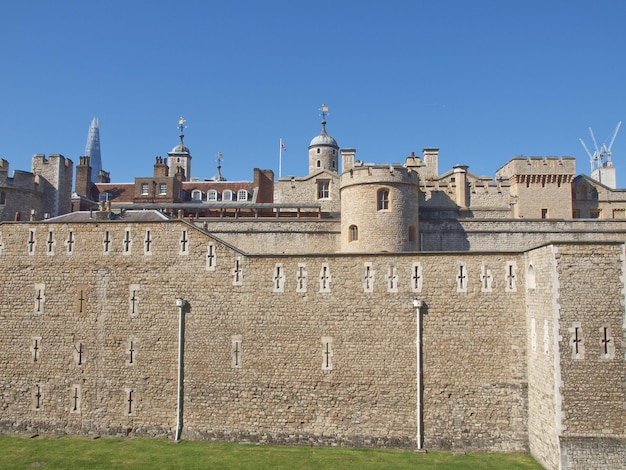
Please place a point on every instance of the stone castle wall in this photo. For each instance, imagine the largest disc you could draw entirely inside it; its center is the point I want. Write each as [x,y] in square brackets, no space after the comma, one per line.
[542,314]
[96,307]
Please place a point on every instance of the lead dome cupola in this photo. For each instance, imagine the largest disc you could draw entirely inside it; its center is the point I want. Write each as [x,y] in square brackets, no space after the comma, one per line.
[323,139]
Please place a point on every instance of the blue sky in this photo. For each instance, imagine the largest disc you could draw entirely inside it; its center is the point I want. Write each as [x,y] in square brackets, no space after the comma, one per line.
[482,80]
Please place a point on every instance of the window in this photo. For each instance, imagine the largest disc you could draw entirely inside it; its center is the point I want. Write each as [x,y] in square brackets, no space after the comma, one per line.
[594,194]
[3,198]
[353,233]
[196,195]
[412,233]
[323,189]
[332,165]
[144,189]
[318,164]
[242,195]
[383,199]
[544,213]
[211,195]
[162,189]
[104,197]
[227,195]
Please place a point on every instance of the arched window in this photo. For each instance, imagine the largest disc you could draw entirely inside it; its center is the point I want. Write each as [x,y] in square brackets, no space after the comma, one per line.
[383,199]
[594,194]
[353,233]
[196,195]
[211,195]
[581,192]
[242,195]
[318,163]
[227,195]
[411,233]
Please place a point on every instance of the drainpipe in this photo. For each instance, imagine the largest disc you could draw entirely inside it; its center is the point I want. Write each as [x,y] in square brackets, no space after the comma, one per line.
[180,303]
[417,303]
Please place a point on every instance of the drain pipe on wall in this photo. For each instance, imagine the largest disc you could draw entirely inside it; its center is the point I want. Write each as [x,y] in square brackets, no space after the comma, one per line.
[180,303]
[417,303]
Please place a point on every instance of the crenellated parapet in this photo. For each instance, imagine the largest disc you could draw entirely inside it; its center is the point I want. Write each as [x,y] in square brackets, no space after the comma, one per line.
[537,166]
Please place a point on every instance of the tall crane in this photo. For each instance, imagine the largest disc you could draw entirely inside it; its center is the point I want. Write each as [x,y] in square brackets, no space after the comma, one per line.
[601,157]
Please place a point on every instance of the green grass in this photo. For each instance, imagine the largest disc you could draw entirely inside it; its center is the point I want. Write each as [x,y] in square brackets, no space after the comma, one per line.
[68,452]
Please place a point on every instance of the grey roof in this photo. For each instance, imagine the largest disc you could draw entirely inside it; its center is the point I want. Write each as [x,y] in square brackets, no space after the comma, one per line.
[323,139]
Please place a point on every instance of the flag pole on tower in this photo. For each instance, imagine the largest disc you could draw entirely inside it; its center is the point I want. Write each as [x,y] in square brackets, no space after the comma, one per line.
[280,158]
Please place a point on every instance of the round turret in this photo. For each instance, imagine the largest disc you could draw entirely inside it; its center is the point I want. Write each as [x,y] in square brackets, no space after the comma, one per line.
[323,152]
[379,209]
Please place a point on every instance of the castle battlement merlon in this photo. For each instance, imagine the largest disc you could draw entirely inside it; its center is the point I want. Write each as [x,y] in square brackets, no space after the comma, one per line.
[537,166]
[394,173]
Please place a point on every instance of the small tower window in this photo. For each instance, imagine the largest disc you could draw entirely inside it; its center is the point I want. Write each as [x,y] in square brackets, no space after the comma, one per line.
[318,151]
[383,199]
[318,164]
[353,233]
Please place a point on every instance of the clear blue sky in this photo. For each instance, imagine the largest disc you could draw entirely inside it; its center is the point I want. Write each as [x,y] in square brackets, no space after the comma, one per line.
[482,80]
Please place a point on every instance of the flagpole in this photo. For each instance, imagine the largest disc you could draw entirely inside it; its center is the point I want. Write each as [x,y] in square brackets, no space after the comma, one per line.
[280,158]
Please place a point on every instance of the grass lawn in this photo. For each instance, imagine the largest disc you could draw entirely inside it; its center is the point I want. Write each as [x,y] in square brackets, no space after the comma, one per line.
[69,452]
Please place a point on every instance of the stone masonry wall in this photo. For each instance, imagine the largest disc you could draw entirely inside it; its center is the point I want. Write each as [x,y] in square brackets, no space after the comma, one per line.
[297,349]
[592,351]
[542,347]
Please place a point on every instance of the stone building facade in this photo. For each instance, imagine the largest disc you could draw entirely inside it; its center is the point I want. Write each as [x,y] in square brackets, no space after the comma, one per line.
[44,192]
[402,309]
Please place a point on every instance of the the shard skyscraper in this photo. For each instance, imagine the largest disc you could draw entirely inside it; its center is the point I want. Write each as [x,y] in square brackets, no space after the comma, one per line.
[92,149]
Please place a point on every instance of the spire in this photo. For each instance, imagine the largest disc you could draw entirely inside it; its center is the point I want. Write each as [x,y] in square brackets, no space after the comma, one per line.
[92,149]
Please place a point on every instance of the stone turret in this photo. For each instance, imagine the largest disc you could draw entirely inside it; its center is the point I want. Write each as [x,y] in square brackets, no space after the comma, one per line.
[323,152]
[379,209]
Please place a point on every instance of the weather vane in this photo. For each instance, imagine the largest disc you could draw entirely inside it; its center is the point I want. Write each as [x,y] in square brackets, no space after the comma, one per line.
[324,112]
[181,124]
[220,157]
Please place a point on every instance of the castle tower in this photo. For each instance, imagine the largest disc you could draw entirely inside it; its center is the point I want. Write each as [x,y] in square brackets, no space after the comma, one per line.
[54,175]
[323,149]
[92,149]
[180,157]
[540,187]
[379,209]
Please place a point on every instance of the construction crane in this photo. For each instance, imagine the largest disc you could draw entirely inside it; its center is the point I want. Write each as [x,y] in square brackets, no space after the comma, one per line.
[601,157]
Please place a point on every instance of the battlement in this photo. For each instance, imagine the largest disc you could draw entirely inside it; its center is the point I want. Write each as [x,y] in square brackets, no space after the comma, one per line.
[394,173]
[537,166]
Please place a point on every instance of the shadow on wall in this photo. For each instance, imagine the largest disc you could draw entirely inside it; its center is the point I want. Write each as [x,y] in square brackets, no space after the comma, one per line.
[443,235]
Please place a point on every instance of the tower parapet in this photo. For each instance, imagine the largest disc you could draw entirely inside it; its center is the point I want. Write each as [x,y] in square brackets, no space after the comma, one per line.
[379,209]
[552,175]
